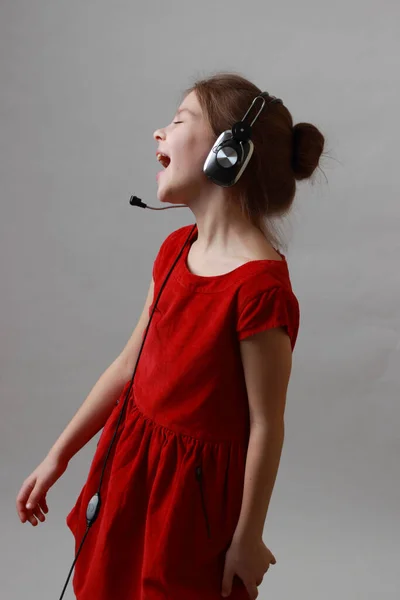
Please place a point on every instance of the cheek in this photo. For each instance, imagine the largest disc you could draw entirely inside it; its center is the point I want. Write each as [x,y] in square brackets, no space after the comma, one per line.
[200,153]
[189,156]
[189,162]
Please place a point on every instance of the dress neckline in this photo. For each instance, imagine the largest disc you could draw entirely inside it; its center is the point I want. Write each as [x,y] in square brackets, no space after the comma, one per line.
[185,276]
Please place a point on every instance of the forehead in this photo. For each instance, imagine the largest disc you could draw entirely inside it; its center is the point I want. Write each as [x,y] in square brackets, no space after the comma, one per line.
[190,106]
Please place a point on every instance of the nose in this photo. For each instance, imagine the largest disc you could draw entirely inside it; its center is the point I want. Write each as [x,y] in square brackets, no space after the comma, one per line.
[158,134]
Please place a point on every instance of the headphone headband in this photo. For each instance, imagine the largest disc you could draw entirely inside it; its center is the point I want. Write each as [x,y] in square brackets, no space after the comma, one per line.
[262,96]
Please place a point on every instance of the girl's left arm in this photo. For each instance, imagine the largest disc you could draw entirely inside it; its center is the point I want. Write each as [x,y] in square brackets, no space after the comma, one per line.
[267,363]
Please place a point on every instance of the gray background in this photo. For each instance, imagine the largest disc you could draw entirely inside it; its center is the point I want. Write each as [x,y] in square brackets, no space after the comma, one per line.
[83,87]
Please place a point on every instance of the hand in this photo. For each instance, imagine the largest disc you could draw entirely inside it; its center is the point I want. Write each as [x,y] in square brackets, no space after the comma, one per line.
[35,488]
[248,559]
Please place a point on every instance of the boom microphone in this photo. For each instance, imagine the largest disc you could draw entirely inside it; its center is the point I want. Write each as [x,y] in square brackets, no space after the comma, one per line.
[135,201]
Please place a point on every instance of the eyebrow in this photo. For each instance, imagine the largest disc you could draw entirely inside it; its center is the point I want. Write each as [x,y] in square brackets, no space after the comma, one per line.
[180,110]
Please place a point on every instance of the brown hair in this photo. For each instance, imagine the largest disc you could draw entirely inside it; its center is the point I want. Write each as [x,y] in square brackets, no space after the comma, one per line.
[283,153]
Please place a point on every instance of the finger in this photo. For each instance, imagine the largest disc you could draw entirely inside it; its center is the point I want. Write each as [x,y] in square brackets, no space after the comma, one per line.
[36,507]
[22,513]
[252,590]
[43,505]
[226,588]
[32,519]
[22,497]
[38,514]
[226,583]
[25,490]
[35,498]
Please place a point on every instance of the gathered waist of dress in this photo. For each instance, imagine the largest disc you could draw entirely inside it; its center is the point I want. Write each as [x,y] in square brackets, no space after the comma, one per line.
[179,430]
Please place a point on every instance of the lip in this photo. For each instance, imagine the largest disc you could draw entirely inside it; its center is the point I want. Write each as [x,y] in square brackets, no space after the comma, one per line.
[159,173]
[161,152]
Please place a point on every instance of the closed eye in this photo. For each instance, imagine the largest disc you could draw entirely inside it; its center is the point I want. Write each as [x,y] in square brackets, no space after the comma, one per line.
[176,122]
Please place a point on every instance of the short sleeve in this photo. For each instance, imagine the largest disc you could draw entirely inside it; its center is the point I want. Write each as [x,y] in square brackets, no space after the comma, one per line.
[271,308]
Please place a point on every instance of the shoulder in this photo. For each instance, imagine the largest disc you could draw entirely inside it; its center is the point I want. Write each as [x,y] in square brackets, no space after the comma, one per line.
[266,300]
[169,247]
[176,237]
[270,278]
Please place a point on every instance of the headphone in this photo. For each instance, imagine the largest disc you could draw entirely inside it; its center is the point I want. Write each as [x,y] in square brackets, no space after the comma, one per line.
[224,165]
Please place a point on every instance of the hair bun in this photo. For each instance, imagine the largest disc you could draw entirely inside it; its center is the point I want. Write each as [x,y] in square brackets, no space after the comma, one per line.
[308,144]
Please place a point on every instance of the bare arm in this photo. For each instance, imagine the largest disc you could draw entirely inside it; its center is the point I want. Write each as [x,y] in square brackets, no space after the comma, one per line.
[267,362]
[95,410]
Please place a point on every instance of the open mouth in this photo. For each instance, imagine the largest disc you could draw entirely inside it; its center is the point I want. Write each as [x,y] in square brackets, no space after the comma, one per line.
[163,159]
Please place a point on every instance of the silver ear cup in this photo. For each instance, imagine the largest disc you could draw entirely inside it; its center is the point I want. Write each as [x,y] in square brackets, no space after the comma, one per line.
[227,157]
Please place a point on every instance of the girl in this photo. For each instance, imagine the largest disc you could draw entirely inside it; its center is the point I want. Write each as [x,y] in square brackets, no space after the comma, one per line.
[189,478]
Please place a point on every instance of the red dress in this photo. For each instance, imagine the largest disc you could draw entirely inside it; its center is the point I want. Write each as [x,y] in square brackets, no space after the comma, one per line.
[172,489]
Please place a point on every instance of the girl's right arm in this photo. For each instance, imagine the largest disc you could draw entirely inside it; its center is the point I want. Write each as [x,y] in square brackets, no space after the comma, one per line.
[87,421]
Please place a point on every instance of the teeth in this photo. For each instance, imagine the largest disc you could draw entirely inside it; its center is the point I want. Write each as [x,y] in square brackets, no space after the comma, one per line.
[163,159]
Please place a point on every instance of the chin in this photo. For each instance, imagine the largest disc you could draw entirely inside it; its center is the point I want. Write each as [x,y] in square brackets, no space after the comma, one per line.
[169,197]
